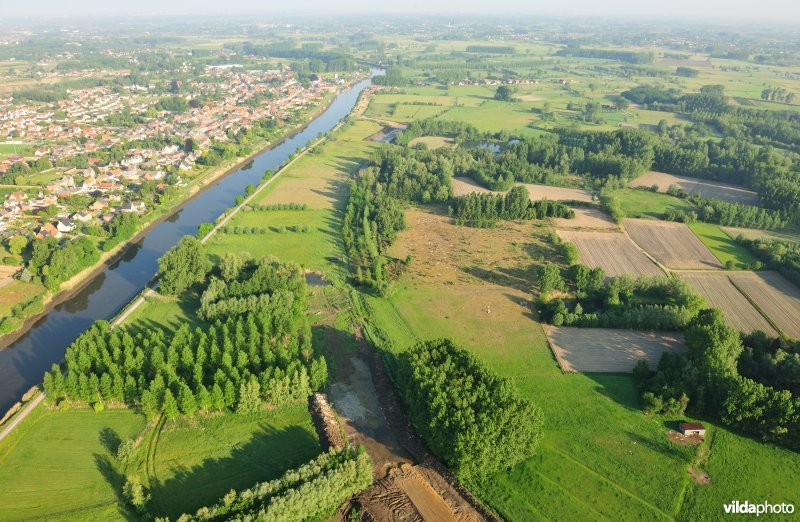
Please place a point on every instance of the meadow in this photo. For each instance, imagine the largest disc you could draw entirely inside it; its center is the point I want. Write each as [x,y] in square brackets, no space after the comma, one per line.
[646,204]
[722,246]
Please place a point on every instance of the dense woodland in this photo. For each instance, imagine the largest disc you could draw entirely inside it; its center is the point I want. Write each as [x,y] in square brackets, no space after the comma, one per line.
[248,356]
[745,383]
[470,417]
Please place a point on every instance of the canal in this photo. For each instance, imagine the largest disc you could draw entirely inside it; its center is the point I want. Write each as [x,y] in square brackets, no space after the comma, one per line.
[23,362]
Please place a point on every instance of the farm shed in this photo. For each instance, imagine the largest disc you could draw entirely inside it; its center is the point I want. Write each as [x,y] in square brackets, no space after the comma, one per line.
[693,428]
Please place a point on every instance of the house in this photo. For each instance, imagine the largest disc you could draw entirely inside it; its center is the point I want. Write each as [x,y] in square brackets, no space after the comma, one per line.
[65,225]
[48,230]
[133,206]
[82,216]
[100,204]
[693,428]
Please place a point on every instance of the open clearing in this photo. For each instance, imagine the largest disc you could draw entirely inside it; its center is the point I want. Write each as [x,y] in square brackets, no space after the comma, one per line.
[586,218]
[612,251]
[609,350]
[464,186]
[432,142]
[720,292]
[725,249]
[775,296]
[694,186]
[673,244]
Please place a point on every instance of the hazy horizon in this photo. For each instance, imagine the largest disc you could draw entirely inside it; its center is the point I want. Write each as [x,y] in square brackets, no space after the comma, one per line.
[785,11]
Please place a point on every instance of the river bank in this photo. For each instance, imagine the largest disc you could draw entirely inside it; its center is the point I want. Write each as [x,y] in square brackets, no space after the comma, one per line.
[203,182]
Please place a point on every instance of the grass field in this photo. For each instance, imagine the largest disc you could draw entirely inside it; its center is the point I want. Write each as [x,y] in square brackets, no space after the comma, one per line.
[17,292]
[56,465]
[722,246]
[198,460]
[643,203]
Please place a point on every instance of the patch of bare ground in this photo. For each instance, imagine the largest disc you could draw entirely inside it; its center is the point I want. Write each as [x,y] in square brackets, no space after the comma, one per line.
[775,296]
[720,292]
[443,253]
[603,350]
[586,218]
[464,186]
[700,477]
[614,252]
[432,142]
[699,187]
[673,244]
[688,440]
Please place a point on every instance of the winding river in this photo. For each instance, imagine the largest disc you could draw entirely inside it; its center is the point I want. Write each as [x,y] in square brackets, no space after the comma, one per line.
[24,361]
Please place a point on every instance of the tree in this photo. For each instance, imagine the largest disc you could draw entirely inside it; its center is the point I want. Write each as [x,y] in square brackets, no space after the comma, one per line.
[504,93]
[170,405]
[182,266]
[549,278]
[249,397]
[135,494]
[230,265]
[17,244]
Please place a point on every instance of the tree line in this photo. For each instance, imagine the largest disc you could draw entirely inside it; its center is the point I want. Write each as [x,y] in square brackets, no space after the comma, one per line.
[471,418]
[312,491]
[483,209]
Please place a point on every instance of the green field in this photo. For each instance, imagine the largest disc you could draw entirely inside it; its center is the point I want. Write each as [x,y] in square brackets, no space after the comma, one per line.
[647,204]
[57,464]
[722,246]
[198,460]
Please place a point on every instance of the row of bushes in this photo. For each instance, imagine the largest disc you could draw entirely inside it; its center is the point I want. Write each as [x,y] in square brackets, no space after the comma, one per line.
[277,206]
[311,492]
[282,229]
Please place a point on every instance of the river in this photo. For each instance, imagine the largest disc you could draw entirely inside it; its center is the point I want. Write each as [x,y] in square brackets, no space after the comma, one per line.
[23,363]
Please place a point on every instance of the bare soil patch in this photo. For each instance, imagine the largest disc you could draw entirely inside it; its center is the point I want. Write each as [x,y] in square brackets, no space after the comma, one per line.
[775,296]
[529,98]
[705,188]
[602,350]
[673,244]
[614,252]
[464,186]
[688,440]
[720,292]
[586,218]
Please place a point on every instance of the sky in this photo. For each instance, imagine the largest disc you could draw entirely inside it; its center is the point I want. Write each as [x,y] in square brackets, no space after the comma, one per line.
[779,10]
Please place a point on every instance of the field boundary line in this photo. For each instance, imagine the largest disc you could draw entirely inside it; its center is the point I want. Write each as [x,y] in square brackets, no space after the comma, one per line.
[758,308]
[663,268]
[615,484]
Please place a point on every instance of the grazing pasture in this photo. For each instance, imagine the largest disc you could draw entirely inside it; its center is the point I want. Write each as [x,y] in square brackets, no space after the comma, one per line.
[729,253]
[720,292]
[673,244]
[644,203]
[607,350]
[697,187]
[612,251]
[463,186]
[775,296]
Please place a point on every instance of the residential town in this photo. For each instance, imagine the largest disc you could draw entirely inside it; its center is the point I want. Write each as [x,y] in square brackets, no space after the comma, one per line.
[82,186]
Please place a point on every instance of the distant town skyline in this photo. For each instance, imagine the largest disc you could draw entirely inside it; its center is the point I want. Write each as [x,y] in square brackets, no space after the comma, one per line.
[779,10]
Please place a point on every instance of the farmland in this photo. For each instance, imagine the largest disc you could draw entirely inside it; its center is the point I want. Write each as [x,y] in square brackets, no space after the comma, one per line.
[720,292]
[611,251]
[600,350]
[637,203]
[697,187]
[672,244]
[586,218]
[775,296]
